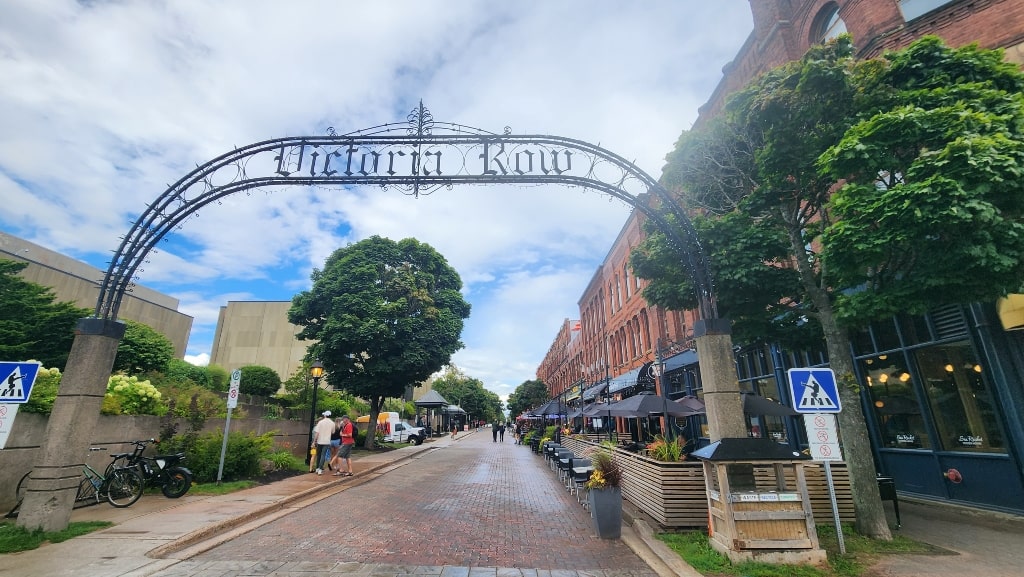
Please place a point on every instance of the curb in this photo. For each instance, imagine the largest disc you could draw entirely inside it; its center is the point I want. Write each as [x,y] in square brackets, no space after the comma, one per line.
[208,532]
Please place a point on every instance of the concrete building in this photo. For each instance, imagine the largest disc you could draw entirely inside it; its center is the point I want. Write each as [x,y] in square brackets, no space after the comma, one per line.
[943,393]
[258,333]
[75,281]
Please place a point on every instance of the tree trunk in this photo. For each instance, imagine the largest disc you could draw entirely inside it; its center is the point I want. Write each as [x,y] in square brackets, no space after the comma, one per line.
[371,428]
[853,432]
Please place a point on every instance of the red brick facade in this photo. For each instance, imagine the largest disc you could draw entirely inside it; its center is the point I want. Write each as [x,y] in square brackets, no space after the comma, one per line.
[785,29]
[619,331]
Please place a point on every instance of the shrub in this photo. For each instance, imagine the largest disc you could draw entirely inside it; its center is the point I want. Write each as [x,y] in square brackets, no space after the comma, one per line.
[665,450]
[241,460]
[135,397]
[44,391]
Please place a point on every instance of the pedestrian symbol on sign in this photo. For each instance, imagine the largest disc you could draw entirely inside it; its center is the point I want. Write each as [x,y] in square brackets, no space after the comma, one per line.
[814,390]
[16,380]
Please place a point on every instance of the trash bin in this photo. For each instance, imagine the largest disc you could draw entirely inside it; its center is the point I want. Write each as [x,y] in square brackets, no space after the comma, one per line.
[887,491]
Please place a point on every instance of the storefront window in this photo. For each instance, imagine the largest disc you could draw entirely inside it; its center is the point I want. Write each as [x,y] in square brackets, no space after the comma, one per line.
[960,400]
[895,403]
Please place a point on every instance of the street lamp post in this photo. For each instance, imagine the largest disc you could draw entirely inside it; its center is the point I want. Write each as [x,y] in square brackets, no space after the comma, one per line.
[316,370]
[658,369]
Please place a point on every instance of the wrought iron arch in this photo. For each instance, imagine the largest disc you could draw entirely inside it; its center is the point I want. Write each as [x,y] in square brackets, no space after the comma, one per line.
[414,157]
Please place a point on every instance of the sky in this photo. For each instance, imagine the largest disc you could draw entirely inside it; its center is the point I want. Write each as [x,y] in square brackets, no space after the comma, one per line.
[104,103]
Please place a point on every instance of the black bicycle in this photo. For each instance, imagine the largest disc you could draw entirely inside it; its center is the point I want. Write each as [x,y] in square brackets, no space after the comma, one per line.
[119,486]
[162,470]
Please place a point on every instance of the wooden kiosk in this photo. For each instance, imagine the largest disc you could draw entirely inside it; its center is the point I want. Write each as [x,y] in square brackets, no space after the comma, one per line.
[758,505]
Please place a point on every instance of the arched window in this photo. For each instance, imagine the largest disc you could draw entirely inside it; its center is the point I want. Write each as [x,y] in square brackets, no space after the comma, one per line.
[828,24]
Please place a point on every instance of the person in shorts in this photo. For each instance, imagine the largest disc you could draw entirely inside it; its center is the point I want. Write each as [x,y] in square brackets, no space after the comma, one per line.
[348,440]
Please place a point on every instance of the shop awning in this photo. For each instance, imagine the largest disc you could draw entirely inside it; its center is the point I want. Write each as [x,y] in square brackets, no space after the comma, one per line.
[623,381]
[593,391]
[687,357]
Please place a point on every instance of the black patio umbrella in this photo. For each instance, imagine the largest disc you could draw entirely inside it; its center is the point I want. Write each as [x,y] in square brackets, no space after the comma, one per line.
[548,409]
[692,404]
[754,404]
[646,405]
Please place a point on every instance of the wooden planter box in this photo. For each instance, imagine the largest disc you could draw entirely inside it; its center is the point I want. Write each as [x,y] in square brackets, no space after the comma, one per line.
[674,495]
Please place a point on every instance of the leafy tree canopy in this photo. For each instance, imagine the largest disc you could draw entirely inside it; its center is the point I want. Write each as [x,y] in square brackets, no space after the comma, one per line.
[142,350]
[470,394]
[931,212]
[528,395]
[33,325]
[385,315]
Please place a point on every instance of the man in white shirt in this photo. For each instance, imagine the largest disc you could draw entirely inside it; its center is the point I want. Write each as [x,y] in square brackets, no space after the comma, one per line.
[322,440]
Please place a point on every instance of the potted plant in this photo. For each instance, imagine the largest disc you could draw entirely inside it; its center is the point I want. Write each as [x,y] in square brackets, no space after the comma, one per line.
[670,451]
[604,493]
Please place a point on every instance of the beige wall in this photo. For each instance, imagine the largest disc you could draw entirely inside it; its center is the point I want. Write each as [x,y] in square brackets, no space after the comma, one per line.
[258,333]
[75,281]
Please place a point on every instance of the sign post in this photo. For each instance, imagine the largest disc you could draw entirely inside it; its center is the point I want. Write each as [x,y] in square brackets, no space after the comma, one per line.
[236,382]
[816,396]
[16,380]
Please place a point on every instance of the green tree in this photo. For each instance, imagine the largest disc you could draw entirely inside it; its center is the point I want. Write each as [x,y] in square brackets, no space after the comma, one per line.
[468,393]
[385,315]
[528,395]
[931,212]
[33,324]
[259,380]
[142,350]
[220,380]
[775,130]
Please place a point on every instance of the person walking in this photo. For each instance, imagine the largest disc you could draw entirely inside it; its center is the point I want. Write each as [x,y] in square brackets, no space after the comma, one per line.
[322,441]
[501,433]
[347,431]
[335,445]
[454,428]
[494,431]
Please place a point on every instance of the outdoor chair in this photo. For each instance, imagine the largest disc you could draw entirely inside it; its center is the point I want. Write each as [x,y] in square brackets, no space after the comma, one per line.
[581,470]
[564,463]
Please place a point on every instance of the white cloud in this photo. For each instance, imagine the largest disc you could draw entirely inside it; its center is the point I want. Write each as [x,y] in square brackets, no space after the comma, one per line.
[106,104]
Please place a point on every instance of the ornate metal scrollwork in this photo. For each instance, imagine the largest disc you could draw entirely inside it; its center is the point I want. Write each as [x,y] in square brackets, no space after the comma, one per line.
[417,157]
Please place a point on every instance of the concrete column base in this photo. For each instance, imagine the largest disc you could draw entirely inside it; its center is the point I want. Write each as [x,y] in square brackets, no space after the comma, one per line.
[53,484]
[718,376]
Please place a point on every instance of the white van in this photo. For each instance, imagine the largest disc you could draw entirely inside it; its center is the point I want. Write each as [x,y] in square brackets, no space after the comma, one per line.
[394,429]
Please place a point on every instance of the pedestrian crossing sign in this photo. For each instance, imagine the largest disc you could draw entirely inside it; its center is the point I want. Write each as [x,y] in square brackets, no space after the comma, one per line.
[814,391]
[16,380]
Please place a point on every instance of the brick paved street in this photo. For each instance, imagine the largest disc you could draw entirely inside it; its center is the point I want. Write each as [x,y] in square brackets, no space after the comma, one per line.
[474,504]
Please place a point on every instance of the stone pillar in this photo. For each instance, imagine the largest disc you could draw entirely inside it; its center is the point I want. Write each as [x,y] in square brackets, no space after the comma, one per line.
[718,376]
[51,488]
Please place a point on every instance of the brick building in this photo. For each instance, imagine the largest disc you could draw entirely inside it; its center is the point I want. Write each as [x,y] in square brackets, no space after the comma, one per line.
[943,392]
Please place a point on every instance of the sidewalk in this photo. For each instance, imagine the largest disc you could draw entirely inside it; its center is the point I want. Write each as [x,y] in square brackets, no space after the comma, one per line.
[156,534]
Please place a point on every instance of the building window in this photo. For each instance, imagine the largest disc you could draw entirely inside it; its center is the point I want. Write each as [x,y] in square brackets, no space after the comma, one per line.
[913,8]
[828,24]
[960,399]
[895,403]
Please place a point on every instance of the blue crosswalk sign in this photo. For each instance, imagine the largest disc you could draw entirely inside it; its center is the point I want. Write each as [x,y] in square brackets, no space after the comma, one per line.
[16,380]
[814,391]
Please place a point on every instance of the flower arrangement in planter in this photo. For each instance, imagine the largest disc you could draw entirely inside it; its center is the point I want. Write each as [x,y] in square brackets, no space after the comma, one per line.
[607,473]
[670,451]
[604,493]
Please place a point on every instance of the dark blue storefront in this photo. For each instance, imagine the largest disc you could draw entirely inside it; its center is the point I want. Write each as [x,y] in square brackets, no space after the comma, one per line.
[942,395]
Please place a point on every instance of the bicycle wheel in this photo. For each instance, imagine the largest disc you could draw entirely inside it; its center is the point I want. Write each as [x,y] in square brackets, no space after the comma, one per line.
[176,483]
[115,464]
[124,487]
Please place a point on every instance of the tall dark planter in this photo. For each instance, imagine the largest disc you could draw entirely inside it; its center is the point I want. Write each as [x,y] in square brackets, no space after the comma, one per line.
[606,510]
